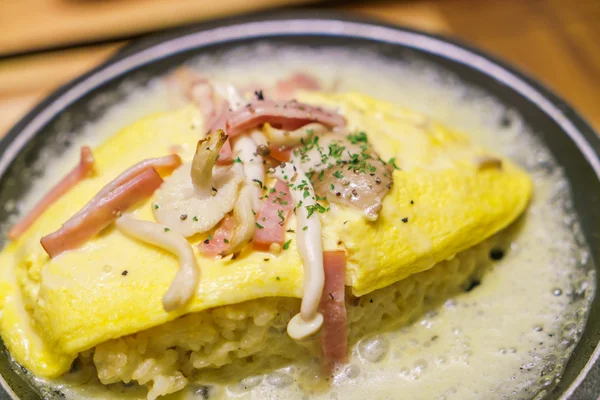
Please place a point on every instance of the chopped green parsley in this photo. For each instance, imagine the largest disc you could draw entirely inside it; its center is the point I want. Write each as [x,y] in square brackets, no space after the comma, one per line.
[358,137]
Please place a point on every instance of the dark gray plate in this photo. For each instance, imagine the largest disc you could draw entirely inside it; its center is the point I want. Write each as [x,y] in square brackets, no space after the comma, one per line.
[572,141]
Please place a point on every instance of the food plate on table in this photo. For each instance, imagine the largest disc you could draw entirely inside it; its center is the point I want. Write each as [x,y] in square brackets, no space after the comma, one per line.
[299,207]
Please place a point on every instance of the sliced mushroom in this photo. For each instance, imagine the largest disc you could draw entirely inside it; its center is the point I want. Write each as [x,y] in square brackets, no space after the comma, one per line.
[254,170]
[310,249]
[281,137]
[244,220]
[364,190]
[184,284]
[346,171]
[201,191]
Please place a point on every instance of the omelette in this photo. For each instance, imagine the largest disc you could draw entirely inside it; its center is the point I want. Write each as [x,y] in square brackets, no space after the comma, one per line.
[245,229]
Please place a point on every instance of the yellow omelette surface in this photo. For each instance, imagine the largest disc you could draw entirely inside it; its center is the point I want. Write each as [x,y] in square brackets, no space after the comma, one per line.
[53,309]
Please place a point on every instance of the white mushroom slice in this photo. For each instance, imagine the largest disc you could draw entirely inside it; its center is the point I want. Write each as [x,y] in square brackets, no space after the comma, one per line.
[280,137]
[184,284]
[244,220]
[207,152]
[254,169]
[310,247]
[258,138]
[191,205]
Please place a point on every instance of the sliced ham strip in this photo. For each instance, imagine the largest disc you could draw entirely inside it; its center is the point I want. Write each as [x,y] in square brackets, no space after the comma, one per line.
[272,216]
[285,88]
[201,93]
[81,171]
[334,333]
[219,243]
[220,122]
[283,154]
[100,212]
[286,115]
[160,164]
[195,88]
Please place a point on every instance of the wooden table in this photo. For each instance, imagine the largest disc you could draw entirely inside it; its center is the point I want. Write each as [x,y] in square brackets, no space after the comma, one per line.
[557,41]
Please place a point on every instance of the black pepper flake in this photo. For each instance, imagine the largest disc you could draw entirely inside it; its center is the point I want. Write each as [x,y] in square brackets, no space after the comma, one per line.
[472,285]
[259,94]
[206,241]
[405,220]
[377,180]
[124,273]
[330,295]
[354,192]
[183,217]
[370,301]
[497,254]
[339,242]
[266,259]
[263,150]
[412,202]
[214,190]
[338,194]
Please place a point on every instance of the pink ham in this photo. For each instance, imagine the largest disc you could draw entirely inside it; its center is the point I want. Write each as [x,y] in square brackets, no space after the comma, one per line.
[285,88]
[81,171]
[195,88]
[225,154]
[160,164]
[98,215]
[272,216]
[200,91]
[219,243]
[334,333]
[279,153]
[287,115]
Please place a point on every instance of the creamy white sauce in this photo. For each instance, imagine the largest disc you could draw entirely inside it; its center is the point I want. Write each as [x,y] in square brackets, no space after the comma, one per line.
[508,338]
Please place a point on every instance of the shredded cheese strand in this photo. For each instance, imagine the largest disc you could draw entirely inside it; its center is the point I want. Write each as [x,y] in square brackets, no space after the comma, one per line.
[184,284]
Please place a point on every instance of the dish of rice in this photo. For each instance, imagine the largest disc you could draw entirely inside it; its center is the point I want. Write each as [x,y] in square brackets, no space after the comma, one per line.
[278,239]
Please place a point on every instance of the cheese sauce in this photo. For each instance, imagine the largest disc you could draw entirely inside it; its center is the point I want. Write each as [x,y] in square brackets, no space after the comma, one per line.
[508,337]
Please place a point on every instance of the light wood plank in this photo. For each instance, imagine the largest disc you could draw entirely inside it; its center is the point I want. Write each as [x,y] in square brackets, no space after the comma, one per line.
[34,24]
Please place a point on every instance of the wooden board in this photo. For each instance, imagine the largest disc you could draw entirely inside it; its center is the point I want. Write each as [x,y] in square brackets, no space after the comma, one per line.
[555,41]
[35,24]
